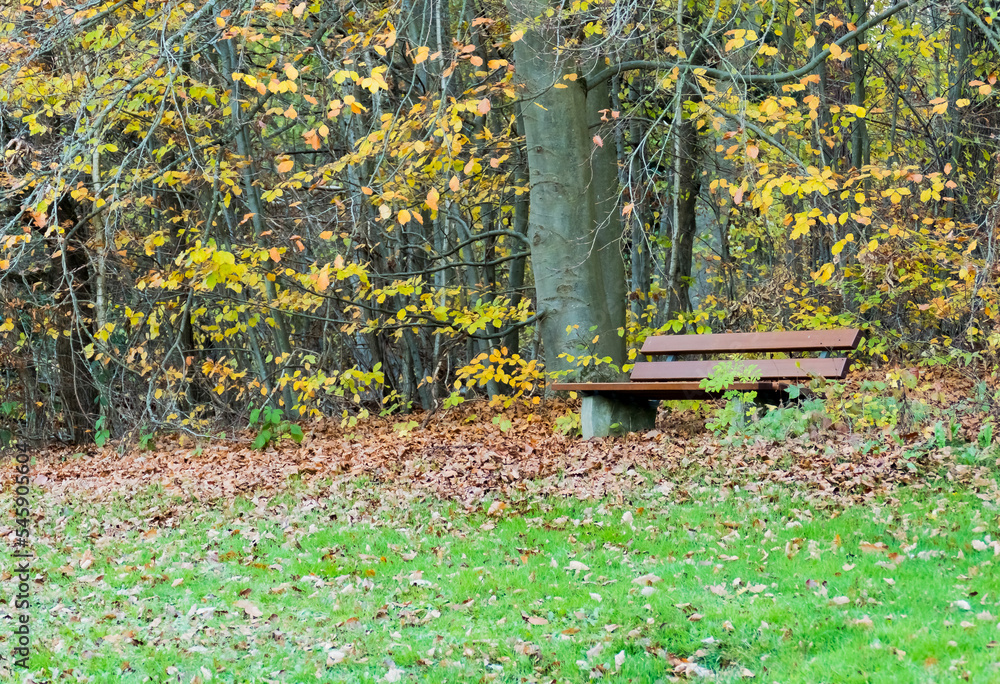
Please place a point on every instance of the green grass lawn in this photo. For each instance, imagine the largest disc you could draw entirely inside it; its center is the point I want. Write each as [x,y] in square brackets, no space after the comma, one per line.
[353,584]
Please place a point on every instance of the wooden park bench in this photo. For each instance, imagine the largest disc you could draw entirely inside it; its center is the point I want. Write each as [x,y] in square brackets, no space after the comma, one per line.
[632,405]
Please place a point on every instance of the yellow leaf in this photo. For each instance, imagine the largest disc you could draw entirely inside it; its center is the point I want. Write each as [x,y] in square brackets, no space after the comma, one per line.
[403,217]
[560,86]
[964,102]
[290,71]
[810,41]
[872,245]
[326,235]
[299,10]
[516,36]
[824,274]
[835,50]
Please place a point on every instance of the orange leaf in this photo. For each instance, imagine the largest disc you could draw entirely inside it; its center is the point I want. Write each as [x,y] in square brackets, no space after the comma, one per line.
[274,254]
[285,166]
[598,141]
[432,198]
[752,151]
[484,106]
[403,217]
[453,184]
[323,281]
[312,138]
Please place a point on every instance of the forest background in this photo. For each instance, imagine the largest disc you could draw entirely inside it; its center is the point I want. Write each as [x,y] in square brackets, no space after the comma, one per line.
[347,208]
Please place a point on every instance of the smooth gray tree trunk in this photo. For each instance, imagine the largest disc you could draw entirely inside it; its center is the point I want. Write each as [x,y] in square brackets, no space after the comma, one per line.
[566,258]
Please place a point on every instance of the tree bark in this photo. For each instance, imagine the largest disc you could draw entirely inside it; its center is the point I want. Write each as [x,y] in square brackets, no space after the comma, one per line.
[562,220]
[860,150]
[607,212]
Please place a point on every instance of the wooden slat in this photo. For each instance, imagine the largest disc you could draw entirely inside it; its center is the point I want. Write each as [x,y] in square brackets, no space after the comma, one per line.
[735,343]
[661,390]
[769,369]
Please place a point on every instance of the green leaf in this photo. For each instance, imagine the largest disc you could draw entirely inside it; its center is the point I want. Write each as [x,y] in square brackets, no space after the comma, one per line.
[262,439]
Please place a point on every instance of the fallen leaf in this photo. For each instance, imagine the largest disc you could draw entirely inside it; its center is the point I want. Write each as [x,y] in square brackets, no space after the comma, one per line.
[250,609]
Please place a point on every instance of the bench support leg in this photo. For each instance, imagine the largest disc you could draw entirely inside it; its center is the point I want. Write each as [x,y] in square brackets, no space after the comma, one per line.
[601,416]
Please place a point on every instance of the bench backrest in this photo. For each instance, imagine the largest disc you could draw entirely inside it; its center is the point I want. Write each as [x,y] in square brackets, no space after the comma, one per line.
[739,343]
[748,343]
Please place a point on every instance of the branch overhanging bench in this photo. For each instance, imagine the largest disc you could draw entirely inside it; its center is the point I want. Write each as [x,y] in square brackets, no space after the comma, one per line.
[632,405]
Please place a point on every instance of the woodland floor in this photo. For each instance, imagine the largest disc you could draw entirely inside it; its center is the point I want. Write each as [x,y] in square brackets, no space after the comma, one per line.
[462,551]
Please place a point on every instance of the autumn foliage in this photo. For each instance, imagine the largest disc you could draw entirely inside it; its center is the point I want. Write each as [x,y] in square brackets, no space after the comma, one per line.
[341,210]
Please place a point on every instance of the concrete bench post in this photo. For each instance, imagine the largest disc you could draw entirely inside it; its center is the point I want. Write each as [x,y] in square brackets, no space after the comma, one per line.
[599,413]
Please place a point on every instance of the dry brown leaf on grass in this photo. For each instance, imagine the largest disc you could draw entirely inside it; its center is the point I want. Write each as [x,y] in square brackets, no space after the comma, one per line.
[250,609]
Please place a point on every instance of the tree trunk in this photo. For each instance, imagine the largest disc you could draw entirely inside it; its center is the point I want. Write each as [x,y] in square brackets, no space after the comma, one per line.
[687,186]
[860,152]
[71,290]
[565,258]
[607,212]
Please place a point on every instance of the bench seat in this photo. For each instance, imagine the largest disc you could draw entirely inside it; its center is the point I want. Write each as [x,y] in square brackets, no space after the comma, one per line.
[664,391]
